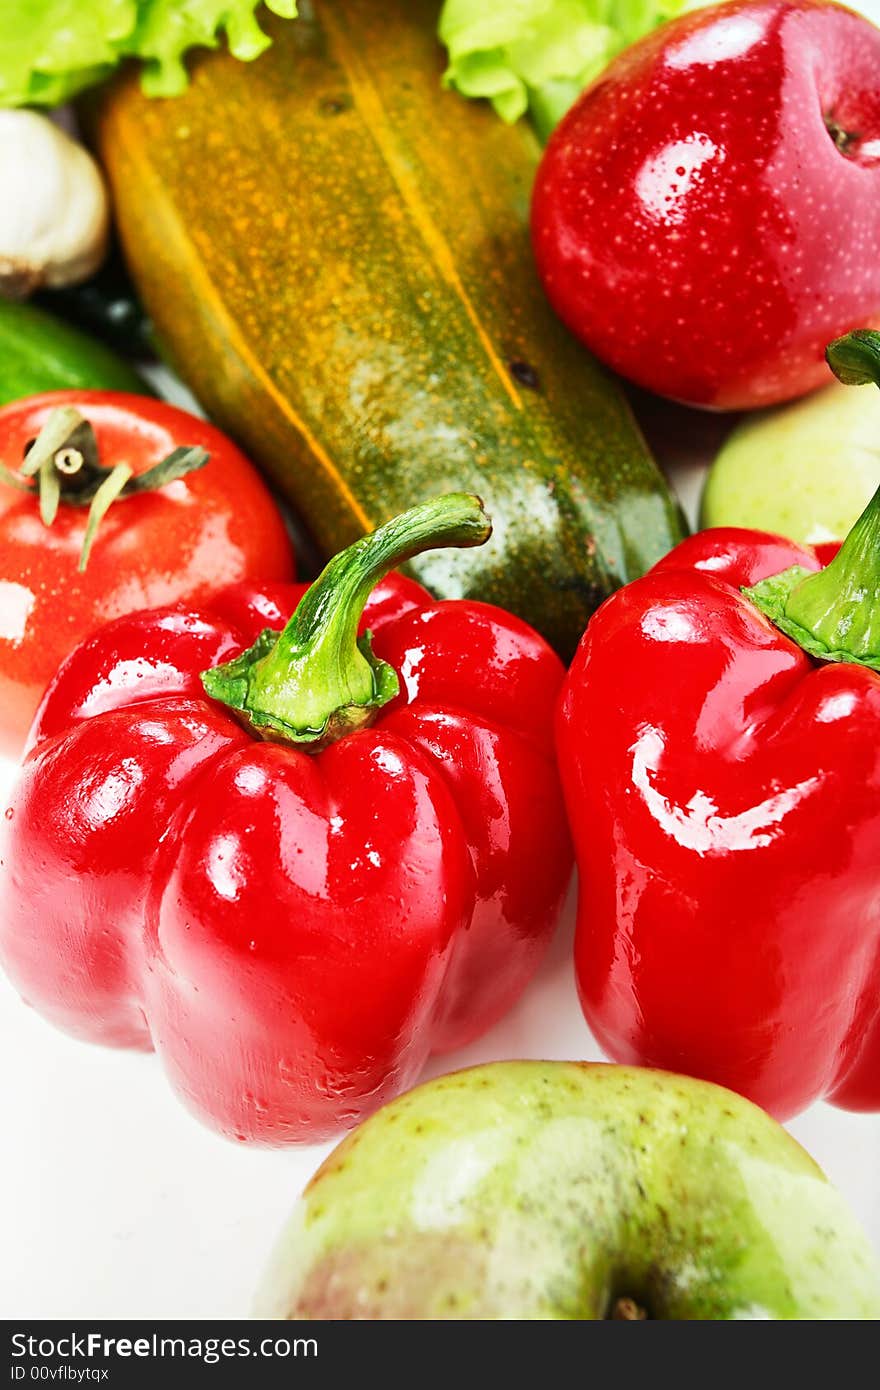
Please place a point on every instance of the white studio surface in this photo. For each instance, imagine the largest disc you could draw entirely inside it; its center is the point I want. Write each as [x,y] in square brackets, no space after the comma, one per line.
[114,1203]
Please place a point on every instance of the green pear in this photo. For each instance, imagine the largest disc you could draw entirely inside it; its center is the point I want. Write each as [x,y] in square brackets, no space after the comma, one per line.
[806,471]
[526,1190]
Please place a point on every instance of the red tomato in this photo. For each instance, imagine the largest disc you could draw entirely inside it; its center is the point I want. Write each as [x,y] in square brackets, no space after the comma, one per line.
[180,543]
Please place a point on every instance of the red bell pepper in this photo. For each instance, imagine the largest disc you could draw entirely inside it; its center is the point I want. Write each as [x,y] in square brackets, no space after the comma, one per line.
[719,752]
[348,857]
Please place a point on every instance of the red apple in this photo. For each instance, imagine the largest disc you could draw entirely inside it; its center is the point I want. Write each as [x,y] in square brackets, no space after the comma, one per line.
[707,216]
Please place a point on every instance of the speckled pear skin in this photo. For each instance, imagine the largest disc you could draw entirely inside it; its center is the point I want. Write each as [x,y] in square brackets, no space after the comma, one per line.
[552,1190]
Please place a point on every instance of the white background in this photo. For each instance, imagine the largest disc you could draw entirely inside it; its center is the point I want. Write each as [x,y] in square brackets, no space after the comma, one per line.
[115,1204]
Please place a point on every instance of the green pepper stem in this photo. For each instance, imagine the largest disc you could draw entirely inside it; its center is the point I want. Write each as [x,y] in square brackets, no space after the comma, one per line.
[840,606]
[835,614]
[317,680]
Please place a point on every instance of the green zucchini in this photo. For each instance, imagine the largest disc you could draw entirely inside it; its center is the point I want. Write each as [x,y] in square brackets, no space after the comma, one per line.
[335,254]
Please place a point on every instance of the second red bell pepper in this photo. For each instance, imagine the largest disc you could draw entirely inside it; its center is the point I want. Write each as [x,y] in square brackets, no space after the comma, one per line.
[351,855]
[719,752]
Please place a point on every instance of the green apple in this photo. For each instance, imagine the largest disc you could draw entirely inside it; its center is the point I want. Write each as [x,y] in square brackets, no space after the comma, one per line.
[806,471]
[526,1190]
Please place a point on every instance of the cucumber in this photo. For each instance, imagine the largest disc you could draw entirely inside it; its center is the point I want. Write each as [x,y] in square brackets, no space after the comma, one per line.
[335,254]
[40,353]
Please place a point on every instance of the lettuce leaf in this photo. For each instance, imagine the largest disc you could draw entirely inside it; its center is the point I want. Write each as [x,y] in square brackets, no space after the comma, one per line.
[538,55]
[52,49]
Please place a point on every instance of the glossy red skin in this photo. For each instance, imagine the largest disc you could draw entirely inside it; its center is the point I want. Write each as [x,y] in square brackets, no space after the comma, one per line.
[179,544]
[693,221]
[723,790]
[293,933]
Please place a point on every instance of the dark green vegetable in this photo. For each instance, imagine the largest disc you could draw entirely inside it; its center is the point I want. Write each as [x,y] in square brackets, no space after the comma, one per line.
[107,307]
[41,353]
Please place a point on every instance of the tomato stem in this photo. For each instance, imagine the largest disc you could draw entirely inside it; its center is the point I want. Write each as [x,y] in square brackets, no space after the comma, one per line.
[63,467]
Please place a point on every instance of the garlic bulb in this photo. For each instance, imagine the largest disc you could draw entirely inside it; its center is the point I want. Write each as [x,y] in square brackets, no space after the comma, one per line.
[54,214]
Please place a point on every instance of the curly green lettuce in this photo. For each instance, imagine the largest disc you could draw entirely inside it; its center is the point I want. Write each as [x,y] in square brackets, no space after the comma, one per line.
[52,49]
[538,55]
